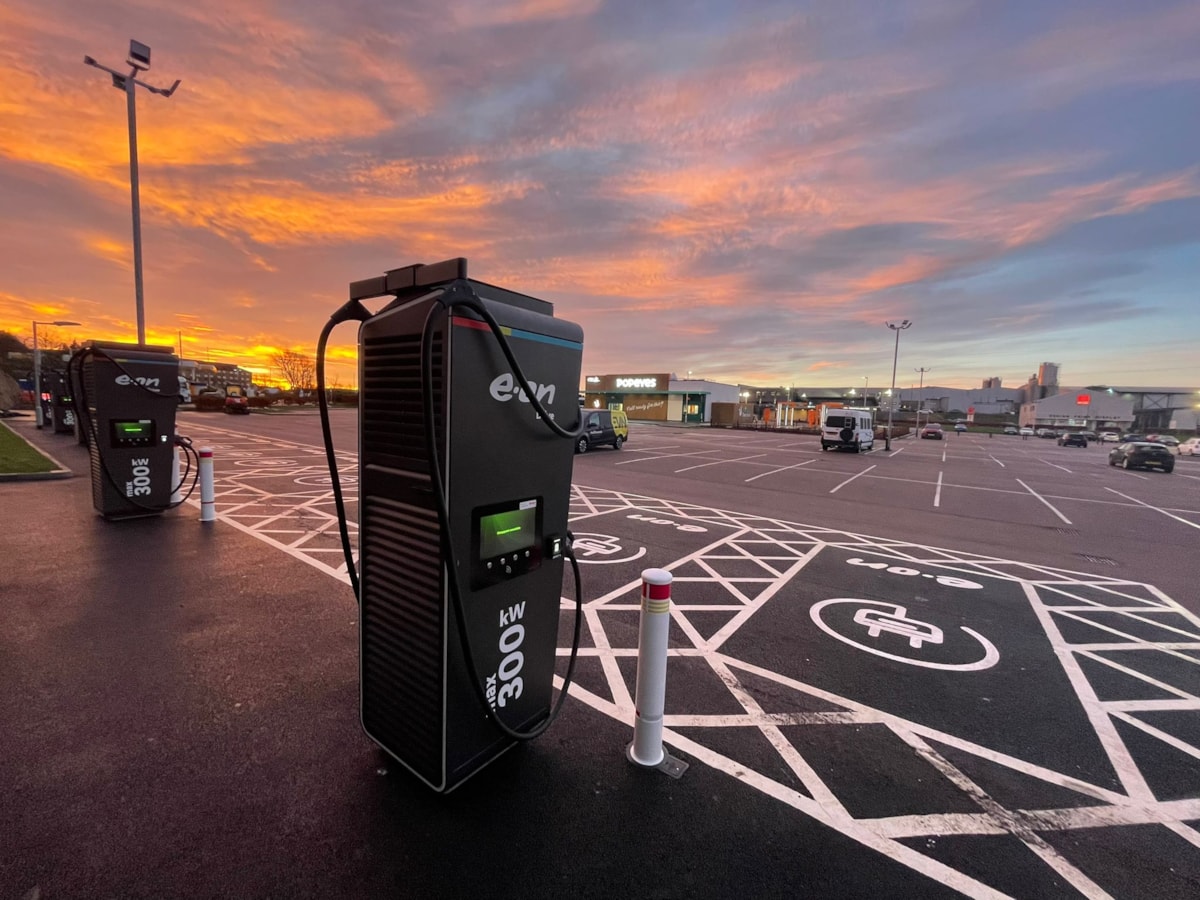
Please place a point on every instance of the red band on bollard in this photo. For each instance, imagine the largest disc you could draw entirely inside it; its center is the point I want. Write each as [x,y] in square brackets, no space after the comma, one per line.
[656,591]
[206,454]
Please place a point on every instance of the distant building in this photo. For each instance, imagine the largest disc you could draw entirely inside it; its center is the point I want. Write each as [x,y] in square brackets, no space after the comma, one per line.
[1080,410]
[1048,379]
[657,396]
[200,374]
[991,383]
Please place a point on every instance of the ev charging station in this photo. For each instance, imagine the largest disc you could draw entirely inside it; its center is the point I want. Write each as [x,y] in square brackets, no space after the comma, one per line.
[462,514]
[61,412]
[125,398]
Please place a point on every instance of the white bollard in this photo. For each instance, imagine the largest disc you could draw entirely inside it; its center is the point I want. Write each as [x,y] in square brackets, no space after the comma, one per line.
[208,497]
[651,691]
[177,478]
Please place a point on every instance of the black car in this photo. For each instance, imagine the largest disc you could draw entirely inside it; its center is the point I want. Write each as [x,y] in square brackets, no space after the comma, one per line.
[1131,437]
[1141,455]
[1072,440]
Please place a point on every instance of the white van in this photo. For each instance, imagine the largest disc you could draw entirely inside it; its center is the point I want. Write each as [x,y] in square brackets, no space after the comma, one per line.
[848,429]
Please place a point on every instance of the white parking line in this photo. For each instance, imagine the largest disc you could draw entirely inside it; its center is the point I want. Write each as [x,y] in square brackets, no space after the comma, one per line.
[783,469]
[944,449]
[1155,508]
[626,462]
[719,462]
[1056,465]
[850,479]
[937,495]
[1044,500]
[1000,464]
[894,452]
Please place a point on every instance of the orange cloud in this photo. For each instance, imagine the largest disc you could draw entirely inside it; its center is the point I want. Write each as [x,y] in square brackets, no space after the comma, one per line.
[121,254]
[482,13]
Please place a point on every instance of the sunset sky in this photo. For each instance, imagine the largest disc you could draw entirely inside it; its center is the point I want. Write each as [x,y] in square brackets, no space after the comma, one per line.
[743,190]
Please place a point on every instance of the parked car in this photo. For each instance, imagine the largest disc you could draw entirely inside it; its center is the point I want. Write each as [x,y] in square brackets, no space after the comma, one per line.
[1047,433]
[1010,429]
[1090,435]
[1072,440]
[1132,437]
[603,426]
[1027,432]
[959,427]
[931,430]
[1165,439]
[236,401]
[1141,455]
[1110,437]
[1190,447]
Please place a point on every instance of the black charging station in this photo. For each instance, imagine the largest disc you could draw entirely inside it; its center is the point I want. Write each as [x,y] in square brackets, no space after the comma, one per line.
[60,407]
[125,397]
[504,494]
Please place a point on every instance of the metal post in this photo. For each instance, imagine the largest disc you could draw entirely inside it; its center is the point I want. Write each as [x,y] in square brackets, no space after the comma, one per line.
[647,748]
[139,61]
[37,378]
[177,476]
[130,86]
[920,395]
[208,497]
[887,441]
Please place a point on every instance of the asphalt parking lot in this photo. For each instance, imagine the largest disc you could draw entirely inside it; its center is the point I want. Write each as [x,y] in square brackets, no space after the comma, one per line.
[1029,496]
[973,663]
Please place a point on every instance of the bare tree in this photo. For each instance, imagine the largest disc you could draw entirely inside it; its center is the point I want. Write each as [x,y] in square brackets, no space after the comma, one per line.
[297,369]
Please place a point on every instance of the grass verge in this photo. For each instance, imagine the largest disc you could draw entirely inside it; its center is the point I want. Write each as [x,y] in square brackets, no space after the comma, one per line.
[19,457]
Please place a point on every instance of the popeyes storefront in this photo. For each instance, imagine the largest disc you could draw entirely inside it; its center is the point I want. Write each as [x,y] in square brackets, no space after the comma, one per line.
[644,396]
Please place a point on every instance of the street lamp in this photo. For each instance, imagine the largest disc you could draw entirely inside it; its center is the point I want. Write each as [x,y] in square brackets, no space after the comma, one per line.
[887,441]
[138,61]
[37,369]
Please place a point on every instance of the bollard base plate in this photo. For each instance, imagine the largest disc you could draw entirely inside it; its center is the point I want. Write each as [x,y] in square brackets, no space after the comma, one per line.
[668,765]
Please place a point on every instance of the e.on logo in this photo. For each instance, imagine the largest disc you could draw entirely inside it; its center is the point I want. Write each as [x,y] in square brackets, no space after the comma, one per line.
[504,388]
[144,382]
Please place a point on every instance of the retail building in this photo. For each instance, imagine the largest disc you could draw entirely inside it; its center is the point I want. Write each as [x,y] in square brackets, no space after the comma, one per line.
[657,396]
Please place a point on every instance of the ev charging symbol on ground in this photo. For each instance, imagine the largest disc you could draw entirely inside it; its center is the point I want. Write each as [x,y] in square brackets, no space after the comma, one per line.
[878,619]
[593,548]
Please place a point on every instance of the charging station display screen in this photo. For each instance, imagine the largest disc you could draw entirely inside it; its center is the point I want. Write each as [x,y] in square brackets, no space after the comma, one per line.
[507,541]
[133,433]
[506,532]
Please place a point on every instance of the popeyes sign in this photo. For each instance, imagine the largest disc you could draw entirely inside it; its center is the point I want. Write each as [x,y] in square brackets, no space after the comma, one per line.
[1083,400]
[631,383]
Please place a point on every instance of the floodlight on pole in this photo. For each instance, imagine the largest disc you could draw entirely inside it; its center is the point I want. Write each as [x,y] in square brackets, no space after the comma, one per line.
[887,440]
[138,62]
[37,368]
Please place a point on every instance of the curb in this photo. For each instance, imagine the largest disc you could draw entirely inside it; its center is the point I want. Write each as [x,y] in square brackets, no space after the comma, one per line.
[60,472]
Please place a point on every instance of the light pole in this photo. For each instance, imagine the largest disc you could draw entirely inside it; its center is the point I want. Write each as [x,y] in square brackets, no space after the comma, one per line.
[37,369]
[887,441]
[921,394]
[138,61]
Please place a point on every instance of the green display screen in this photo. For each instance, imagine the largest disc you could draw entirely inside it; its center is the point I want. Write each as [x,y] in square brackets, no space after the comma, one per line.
[504,532]
[133,433]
